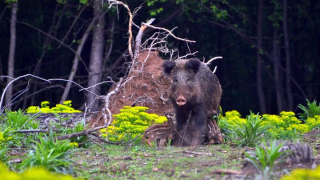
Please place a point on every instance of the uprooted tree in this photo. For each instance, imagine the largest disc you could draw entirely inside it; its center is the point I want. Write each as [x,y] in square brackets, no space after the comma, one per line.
[145,83]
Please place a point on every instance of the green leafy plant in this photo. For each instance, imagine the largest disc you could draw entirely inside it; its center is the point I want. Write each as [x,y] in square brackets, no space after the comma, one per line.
[226,128]
[49,153]
[4,157]
[18,119]
[303,174]
[59,108]
[12,122]
[131,122]
[309,111]
[82,141]
[265,158]
[250,131]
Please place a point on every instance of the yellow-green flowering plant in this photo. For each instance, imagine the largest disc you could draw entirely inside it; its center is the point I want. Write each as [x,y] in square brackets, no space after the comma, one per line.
[130,122]
[303,174]
[313,122]
[59,108]
[287,125]
[31,174]
[74,144]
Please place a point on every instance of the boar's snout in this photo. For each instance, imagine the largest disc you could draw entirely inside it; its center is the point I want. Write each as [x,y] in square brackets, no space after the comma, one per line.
[181,101]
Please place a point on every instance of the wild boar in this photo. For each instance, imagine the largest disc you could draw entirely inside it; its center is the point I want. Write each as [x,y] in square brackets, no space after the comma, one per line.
[195,94]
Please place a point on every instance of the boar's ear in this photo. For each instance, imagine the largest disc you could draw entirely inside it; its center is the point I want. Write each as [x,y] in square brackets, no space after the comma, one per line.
[193,64]
[168,66]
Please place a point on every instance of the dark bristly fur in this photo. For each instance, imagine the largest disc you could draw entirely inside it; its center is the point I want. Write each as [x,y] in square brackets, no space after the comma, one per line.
[195,93]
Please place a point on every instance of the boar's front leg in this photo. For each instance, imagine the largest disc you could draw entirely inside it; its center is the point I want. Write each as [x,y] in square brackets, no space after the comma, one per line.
[199,127]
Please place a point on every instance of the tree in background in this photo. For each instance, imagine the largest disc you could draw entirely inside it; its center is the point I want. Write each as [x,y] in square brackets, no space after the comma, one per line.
[96,57]
[59,43]
[12,50]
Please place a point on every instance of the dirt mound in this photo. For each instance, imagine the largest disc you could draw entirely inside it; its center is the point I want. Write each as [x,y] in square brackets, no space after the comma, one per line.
[145,85]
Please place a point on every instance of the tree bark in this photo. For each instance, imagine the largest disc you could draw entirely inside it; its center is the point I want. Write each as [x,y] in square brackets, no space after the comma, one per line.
[95,66]
[288,61]
[13,23]
[259,60]
[277,75]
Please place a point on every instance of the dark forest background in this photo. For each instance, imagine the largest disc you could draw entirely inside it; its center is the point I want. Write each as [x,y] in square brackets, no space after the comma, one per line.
[270,49]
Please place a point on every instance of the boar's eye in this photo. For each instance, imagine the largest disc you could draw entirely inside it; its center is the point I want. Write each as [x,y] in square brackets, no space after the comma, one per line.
[188,79]
[175,80]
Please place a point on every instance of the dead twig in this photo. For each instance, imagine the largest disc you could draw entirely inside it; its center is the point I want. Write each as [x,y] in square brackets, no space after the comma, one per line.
[227,171]
[31,131]
[198,153]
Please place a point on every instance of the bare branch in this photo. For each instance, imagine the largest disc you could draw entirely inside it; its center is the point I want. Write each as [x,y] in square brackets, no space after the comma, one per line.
[215,58]
[190,54]
[106,106]
[139,36]
[5,89]
[97,84]
[112,2]
[170,32]
[215,68]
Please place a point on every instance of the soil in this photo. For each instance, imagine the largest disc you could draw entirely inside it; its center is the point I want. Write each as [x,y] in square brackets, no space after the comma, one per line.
[146,86]
[223,161]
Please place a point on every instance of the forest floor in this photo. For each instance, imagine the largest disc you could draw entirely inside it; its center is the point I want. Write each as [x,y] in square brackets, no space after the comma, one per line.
[102,161]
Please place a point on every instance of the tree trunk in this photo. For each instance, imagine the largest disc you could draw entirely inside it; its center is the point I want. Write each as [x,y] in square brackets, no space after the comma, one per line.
[259,60]
[288,61]
[95,66]
[14,9]
[277,75]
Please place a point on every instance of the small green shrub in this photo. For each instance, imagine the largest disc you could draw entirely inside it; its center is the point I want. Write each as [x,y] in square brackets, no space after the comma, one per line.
[82,141]
[131,122]
[49,153]
[17,120]
[4,157]
[59,108]
[31,174]
[14,121]
[303,174]
[250,132]
[309,111]
[264,158]
[226,128]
